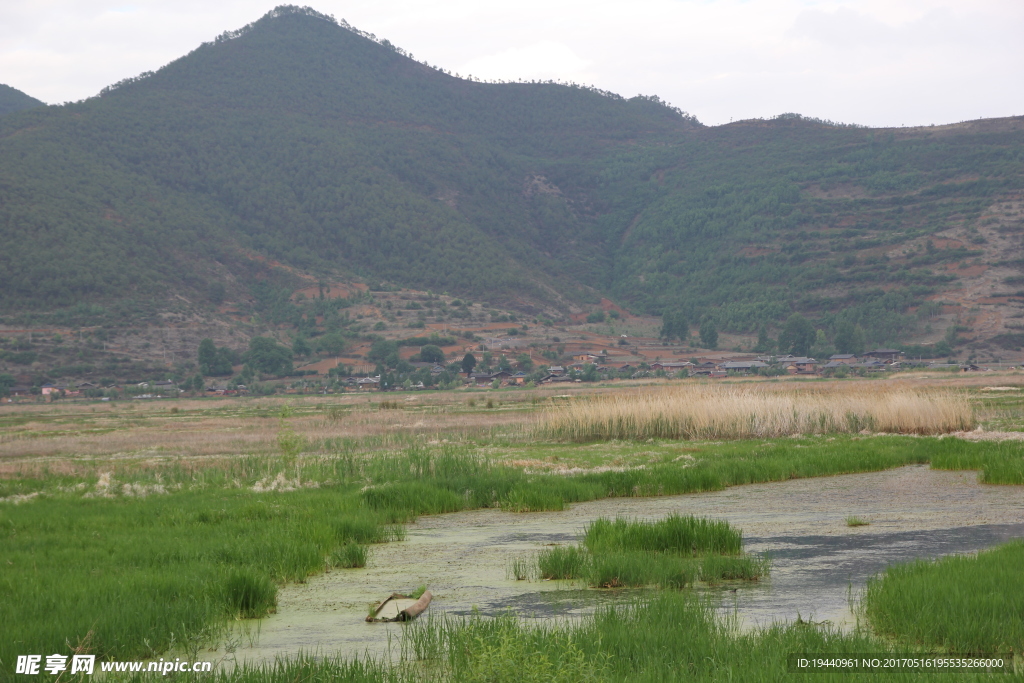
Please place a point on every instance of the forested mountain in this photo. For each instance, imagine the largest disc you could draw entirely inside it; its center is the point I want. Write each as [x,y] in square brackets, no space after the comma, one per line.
[12,99]
[301,140]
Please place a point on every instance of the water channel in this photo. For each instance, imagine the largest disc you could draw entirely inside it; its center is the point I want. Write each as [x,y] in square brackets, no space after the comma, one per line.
[818,561]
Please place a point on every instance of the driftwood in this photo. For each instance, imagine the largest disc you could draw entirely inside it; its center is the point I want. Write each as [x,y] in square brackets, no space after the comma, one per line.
[400,607]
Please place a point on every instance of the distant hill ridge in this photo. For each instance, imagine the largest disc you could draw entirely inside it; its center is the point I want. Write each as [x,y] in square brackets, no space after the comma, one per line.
[305,141]
[12,100]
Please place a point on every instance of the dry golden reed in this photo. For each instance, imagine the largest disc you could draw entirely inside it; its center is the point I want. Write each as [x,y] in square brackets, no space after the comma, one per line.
[734,412]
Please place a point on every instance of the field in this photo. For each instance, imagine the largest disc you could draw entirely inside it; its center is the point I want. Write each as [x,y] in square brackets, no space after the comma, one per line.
[144,530]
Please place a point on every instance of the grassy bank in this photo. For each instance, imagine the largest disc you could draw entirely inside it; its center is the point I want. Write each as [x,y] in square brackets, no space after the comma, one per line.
[742,412]
[961,604]
[133,577]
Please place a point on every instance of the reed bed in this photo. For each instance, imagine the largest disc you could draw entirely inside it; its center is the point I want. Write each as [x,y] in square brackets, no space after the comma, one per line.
[740,412]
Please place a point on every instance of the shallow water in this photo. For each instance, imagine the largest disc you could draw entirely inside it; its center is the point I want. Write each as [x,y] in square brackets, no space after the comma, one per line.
[462,557]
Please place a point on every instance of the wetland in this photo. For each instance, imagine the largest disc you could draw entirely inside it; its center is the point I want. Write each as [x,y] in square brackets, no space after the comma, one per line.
[254,533]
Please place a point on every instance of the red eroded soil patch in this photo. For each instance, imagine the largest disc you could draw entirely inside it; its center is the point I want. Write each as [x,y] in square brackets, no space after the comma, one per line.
[969,271]
[607,305]
[479,328]
[322,367]
[336,291]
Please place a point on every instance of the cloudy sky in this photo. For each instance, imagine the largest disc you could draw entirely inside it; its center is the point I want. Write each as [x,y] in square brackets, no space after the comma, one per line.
[874,62]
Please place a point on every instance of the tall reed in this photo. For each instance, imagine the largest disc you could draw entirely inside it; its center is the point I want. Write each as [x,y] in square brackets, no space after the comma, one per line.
[715,412]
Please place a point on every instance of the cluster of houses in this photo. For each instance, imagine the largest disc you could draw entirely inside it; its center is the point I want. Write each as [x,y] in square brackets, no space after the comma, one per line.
[870,361]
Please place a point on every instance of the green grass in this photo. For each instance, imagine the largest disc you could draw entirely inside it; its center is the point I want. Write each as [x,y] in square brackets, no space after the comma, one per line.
[645,568]
[662,636]
[564,562]
[673,552]
[961,603]
[999,462]
[135,574]
[250,595]
[856,521]
[674,534]
[666,636]
[349,556]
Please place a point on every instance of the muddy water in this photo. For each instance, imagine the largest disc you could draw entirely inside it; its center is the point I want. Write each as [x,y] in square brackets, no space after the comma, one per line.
[463,557]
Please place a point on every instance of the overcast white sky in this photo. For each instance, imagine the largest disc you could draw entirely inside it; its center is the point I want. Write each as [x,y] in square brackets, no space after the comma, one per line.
[874,62]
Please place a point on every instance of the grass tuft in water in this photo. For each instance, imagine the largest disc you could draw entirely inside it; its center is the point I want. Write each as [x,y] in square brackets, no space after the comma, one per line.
[564,562]
[349,556]
[856,521]
[673,552]
[522,568]
[683,535]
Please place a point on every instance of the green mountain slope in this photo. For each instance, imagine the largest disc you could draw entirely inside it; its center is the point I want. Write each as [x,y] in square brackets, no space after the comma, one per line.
[306,142]
[12,100]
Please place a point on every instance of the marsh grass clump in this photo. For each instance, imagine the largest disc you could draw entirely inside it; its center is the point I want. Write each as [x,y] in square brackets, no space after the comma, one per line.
[737,412]
[522,568]
[250,594]
[856,521]
[674,552]
[349,556]
[960,603]
[564,562]
[388,405]
[682,535]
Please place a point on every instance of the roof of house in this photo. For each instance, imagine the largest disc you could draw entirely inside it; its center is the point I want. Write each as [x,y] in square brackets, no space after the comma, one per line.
[800,360]
[743,365]
[836,356]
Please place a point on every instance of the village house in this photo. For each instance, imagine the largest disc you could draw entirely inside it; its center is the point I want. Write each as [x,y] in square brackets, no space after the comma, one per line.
[743,366]
[706,368]
[871,365]
[842,358]
[801,366]
[671,366]
[885,355]
[366,383]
